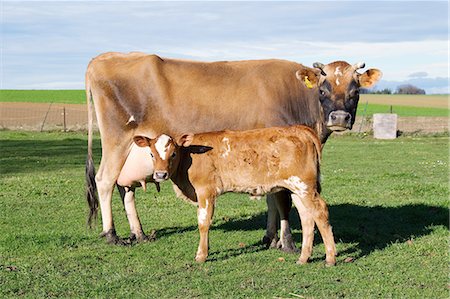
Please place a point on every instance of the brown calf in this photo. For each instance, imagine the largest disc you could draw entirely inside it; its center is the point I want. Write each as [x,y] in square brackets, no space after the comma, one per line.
[257,162]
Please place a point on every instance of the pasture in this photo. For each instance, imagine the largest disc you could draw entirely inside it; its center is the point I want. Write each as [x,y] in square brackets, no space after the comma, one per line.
[388,203]
[403,105]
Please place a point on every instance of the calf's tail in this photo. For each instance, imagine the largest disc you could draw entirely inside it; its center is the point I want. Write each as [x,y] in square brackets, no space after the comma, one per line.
[318,153]
[91,186]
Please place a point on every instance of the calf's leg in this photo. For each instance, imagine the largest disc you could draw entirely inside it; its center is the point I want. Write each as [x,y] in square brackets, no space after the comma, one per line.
[205,213]
[307,222]
[311,205]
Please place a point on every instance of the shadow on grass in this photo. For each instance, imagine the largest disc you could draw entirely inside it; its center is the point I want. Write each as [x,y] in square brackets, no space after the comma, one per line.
[28,156]
[369,228]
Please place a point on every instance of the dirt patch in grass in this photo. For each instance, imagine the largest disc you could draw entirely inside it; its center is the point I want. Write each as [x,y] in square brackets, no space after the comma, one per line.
[429,101]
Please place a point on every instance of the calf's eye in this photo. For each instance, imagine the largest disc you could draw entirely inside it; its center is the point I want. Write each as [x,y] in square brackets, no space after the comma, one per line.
[173,154]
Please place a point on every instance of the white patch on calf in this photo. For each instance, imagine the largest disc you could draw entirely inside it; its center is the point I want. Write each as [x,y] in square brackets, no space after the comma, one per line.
[228,147]
[337,73]
[297,186]
[161,145]
[203,214]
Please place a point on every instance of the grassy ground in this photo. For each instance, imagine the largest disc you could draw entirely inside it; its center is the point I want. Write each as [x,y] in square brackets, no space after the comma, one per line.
[403,105]
[44,96]
[388,204]
[400,110]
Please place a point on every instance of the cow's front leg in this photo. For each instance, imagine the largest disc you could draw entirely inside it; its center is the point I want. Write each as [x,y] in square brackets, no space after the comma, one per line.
[205,213]
[283,204]
[270,239]
[136,232]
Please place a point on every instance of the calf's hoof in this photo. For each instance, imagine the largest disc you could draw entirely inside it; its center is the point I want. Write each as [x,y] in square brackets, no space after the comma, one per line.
[330,262]
[200,258]
[302,261]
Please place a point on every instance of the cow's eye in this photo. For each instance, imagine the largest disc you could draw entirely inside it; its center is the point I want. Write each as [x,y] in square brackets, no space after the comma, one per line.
[322,92]
[151,155]
[174,154]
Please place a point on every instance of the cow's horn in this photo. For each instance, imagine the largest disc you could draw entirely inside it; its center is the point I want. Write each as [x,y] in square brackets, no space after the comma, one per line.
[359,65]
[319,66]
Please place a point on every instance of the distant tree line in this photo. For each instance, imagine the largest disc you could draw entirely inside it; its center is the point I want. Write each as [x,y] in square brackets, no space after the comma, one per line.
[402,89]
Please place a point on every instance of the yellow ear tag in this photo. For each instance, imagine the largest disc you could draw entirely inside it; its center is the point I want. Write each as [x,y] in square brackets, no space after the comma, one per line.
[308,83]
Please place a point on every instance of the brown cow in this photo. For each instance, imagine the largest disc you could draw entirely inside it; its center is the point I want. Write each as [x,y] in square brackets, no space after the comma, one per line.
[256,162]
[139,94]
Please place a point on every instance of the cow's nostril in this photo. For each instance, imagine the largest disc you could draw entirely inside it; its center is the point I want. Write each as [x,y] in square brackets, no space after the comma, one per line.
[333,117]
[347,118]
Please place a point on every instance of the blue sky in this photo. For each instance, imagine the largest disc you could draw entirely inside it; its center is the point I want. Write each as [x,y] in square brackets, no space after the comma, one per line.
[48,44]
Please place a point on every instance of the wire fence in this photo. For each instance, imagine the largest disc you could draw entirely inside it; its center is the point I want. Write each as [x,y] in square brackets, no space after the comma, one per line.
[43,117]
[73,117]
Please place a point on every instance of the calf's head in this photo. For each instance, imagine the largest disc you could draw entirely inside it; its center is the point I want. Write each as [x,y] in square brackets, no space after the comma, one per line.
[165,153]
[338,85]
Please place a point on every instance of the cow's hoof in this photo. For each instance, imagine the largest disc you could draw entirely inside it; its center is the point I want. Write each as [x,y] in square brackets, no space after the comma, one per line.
[270,242]
[112,238]
[142,237]
[287,245]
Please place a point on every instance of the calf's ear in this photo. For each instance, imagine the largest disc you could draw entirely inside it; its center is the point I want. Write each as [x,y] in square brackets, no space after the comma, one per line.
[309,77]
[185,139]
[369,78]
[141,141]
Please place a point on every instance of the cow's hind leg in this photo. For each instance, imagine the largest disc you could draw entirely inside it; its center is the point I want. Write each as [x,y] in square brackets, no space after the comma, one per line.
[112,161]
[136,232]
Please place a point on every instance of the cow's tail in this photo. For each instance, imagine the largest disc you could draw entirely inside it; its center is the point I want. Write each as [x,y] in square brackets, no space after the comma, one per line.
[91,186]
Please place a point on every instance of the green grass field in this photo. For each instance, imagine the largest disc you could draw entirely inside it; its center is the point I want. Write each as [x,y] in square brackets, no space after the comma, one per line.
[44,96]
[400,110]
[388,203]
[79,97]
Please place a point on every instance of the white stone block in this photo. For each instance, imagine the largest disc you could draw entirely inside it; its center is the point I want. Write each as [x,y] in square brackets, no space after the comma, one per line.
[385,126]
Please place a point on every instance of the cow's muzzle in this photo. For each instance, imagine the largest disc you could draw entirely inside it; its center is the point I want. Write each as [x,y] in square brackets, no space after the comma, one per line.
[160,176]
[339,121]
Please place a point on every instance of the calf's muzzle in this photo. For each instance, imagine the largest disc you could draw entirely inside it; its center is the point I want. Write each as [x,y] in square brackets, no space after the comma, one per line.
[160,176]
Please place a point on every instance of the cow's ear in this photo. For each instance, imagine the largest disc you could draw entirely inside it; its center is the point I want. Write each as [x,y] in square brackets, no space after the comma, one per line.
[185,139]
[141,141]
[369,78]
[309,77]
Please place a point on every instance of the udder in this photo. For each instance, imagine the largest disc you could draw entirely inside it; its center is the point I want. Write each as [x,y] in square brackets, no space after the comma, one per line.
[138,168]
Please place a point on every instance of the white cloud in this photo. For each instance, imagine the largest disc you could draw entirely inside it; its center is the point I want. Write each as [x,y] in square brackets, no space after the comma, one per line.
[50,43]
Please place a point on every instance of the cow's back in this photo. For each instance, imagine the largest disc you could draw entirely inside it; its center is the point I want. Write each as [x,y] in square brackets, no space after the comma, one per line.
[157,95]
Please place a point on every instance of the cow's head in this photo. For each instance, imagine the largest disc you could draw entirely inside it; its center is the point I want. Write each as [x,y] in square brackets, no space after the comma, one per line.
[165,153]
[338,85]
